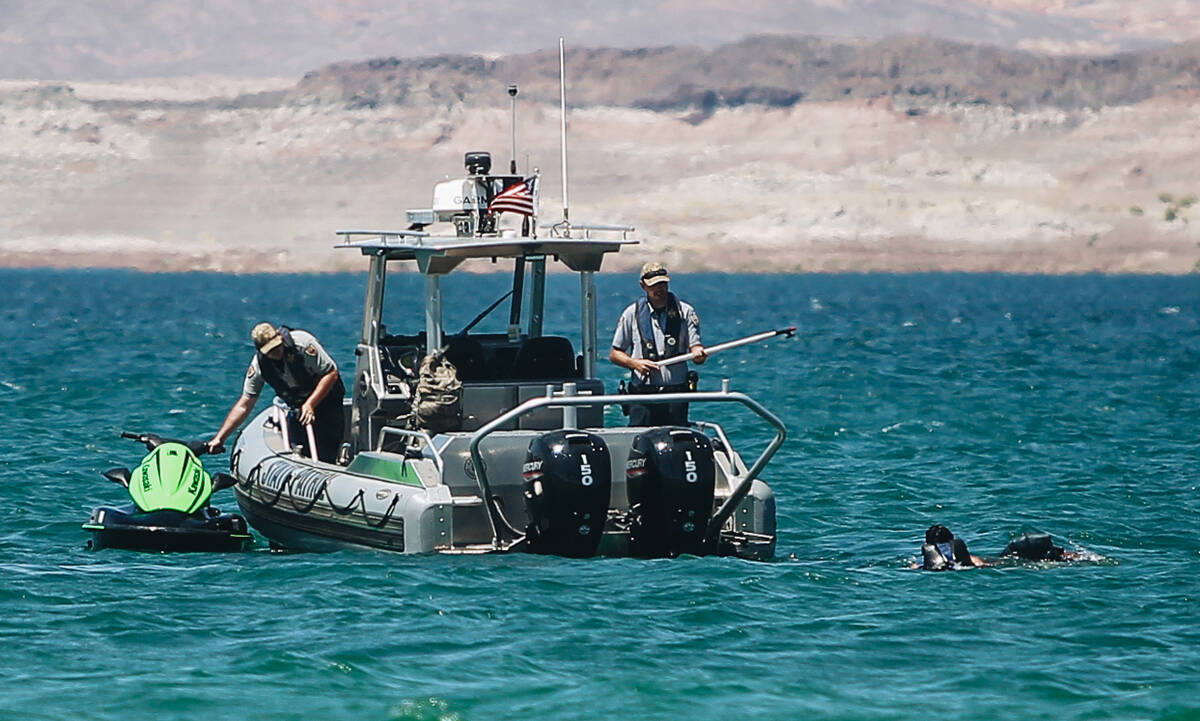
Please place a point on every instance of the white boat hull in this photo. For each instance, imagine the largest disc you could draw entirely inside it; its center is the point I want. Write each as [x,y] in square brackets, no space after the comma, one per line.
[423,504]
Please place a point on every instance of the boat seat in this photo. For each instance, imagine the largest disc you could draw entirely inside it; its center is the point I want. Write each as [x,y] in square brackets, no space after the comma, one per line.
[551,418]
[481,402]
[545,357]
[466,353]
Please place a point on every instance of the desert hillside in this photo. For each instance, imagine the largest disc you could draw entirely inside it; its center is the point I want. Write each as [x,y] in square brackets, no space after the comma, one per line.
[121,39]
[775,153]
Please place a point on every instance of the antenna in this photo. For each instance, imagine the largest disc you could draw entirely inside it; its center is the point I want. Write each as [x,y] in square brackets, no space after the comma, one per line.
[562,99]
[512,103]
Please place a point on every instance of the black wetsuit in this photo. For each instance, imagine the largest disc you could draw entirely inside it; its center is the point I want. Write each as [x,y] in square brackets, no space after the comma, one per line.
[946,555]
[1033,547]
[952,554]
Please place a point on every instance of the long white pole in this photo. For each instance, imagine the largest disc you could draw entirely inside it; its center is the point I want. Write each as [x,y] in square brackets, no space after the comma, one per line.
[562,100]
[312,442]
[729,344]
[281,420]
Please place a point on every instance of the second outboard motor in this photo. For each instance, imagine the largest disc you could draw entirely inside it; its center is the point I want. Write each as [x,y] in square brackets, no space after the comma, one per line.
[568,482]
[670,478]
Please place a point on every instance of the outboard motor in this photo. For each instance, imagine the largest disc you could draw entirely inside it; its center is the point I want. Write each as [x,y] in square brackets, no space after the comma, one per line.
[670,479]
[568,482]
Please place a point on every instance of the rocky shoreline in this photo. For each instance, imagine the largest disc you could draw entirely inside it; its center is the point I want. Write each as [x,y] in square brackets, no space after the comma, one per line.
[894,256]
[226,176]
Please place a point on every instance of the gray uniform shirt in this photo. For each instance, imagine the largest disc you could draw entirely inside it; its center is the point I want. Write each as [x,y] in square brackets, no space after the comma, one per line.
[629,339]
[316,361]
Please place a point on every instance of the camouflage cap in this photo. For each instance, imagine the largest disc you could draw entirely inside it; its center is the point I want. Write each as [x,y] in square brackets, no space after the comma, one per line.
[266,338]
[654,273]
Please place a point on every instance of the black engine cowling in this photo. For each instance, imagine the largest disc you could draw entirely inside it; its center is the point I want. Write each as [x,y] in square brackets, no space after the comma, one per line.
[568,483]
[670,479]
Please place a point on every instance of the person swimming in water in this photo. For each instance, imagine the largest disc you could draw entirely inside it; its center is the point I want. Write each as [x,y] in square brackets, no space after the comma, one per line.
[942,551]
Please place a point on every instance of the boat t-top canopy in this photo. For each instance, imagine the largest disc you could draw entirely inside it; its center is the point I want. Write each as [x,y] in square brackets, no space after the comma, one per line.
[440,254]
[575,246]
[473,207]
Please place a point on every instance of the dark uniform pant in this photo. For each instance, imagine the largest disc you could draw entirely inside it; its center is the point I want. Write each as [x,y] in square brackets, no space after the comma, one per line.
[658,414]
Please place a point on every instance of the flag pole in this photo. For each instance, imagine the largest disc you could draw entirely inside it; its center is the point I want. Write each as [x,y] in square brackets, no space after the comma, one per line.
[512,104]
[562,99]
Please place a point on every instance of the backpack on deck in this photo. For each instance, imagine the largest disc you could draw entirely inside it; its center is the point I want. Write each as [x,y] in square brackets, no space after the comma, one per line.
[437,402]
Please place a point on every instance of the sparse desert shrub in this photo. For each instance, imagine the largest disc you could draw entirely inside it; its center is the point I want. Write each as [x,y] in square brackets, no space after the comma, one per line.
[1175,208]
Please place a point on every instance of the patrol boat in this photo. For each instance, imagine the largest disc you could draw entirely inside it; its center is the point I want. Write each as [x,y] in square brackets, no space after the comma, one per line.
[463,442]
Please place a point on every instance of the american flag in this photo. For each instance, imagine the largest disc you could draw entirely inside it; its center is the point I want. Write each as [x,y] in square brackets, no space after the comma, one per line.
[517,198]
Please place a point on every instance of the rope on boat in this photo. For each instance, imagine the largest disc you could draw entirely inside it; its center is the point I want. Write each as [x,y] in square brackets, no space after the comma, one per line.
[360,499]
[252,477]
[316,497]
[386,516]
[323,491]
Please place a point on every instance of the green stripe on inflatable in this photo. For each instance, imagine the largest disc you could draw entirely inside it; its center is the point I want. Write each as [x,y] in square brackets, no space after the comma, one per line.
[392,469]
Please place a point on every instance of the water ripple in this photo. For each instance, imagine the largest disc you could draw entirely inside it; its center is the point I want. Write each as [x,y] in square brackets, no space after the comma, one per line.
[994,404]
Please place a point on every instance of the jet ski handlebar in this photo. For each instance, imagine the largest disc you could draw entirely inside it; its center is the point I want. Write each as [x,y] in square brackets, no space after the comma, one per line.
[152,441]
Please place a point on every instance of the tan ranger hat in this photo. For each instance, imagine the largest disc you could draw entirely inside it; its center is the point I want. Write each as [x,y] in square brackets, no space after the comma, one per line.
[654,273]
[266,338]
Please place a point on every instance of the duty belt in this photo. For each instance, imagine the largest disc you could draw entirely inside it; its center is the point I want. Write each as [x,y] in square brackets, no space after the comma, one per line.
[678,388]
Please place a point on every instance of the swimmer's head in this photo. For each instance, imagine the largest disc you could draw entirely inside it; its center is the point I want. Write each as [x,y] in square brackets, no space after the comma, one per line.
[938,533]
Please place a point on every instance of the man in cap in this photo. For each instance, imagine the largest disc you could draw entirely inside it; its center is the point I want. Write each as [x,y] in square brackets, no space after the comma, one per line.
[653,328]
[301,372]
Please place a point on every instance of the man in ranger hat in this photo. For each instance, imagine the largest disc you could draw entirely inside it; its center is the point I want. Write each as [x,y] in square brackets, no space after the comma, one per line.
[653,328]
[297,367]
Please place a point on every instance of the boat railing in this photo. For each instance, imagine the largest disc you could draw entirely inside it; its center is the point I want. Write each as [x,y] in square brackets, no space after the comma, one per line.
[567,230]
[716,429]
[379,236]
[279,415]
[569,401]
[422,436]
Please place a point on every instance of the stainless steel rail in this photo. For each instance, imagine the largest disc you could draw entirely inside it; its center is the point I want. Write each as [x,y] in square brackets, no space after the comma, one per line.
[421,435]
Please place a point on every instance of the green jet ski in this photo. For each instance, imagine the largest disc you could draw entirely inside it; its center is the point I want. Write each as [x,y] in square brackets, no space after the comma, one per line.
[170,510]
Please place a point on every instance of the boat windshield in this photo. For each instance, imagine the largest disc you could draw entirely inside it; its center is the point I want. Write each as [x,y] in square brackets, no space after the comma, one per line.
[491,321]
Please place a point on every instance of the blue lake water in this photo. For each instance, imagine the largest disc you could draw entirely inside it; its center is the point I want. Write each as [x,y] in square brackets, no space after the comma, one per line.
[993,404]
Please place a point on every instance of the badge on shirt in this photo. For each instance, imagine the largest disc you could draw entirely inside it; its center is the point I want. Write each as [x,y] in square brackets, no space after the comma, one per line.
[250,371]
[311,350]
